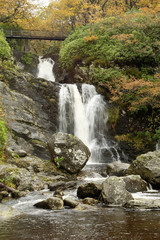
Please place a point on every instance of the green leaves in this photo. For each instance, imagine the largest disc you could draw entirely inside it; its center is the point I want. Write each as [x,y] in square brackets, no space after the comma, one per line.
[5,51]
[3,136]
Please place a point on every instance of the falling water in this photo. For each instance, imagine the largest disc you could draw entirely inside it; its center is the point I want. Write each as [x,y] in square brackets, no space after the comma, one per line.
[45,69]
[83,113]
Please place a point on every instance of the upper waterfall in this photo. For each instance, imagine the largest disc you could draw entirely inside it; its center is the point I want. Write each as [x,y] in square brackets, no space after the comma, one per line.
[45,69]
[83,113]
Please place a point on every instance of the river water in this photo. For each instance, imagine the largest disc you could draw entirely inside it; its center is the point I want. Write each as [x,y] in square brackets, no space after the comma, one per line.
[67,224]
[103,223]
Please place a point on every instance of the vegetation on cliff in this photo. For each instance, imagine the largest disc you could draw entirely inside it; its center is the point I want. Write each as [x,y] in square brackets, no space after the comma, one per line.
[122,55]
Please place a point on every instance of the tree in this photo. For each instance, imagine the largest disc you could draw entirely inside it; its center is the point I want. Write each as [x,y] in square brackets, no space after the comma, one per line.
[13,10]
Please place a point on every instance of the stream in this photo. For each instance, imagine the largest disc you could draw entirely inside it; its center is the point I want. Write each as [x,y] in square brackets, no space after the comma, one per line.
[103,223]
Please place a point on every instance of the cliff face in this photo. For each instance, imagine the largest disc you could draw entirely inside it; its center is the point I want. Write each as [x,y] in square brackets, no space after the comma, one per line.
[31,112]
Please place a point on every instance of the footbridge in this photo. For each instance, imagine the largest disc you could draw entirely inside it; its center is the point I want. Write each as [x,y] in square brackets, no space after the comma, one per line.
[35,34]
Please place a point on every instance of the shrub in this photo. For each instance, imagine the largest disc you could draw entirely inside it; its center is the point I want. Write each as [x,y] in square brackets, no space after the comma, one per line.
[3,137]
[27,58]
[5,51]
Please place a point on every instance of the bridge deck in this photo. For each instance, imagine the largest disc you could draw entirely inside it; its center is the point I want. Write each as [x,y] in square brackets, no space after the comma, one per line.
[34,34]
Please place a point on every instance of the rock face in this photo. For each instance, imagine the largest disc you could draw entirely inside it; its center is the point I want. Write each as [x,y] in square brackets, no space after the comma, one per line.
[148,167]
[52,203]
[114,191]
[31,110]
[68,152]
[91,190]
[117,168]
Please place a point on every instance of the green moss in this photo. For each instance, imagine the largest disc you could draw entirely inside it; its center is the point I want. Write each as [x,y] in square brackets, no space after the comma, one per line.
[52,100]
[38,142]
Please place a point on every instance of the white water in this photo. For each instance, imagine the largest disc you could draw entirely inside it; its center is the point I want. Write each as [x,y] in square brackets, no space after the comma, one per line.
[45,69]
[83,113]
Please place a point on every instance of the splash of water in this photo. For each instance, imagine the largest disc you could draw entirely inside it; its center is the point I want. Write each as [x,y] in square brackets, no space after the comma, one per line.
[83,113]
[45,68]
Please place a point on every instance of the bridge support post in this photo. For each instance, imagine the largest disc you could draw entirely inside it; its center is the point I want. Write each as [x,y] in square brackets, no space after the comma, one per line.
[27,47]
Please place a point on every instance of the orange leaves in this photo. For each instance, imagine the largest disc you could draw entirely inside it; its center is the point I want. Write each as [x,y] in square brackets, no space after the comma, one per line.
[135,93]
[127,38]
[91,38]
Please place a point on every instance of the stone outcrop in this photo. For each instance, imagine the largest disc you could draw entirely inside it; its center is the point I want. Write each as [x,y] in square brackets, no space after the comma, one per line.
[68,152]
[29,174]
[114,191]
[92,190]
[31,110]
[148,167]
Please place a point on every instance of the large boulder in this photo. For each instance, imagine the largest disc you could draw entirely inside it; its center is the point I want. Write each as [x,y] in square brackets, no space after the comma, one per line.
[134,183]
[117,168]
[148,167]
[114,191]
[68,152]
[92,190]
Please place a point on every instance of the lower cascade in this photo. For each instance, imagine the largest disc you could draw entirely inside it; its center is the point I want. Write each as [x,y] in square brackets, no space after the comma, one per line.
[83,113]
[45,68]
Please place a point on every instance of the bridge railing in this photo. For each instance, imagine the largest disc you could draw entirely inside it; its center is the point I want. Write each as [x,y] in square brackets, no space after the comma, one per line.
[33,33]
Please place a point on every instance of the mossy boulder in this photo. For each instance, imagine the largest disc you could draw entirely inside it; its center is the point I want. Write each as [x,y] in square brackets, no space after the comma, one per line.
[68,152]
[52,203]
[148,167]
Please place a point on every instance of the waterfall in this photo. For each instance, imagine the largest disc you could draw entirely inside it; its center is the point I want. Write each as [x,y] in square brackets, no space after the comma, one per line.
[83,113]
[45,68]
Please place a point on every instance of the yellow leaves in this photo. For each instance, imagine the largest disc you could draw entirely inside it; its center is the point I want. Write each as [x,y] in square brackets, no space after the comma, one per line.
[91,38]
[128,38]
[13,10]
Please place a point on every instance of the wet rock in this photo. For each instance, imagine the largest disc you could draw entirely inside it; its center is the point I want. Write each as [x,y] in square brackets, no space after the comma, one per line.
[68,152]
[69,201]
[114,191]
[143,204]
[83,207]
[134,183]
[61,185]
[90,201]
[52,203]
[35,164]
[148,167]
[92,190]
[8,212]
[117,168]
[20,178]
[3,194]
